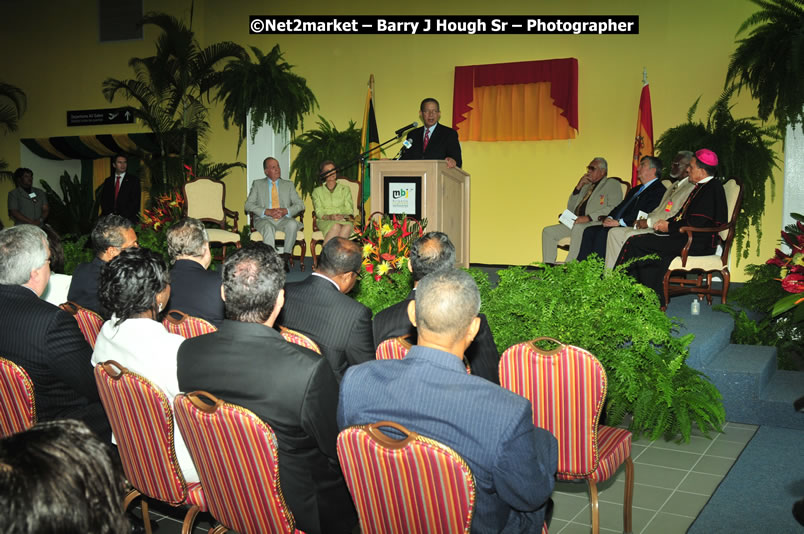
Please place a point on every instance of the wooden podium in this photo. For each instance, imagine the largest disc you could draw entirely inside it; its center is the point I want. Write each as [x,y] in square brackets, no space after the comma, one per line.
[428,190]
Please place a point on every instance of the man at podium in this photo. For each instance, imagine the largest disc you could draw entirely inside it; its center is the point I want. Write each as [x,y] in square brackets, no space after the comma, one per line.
[434,140]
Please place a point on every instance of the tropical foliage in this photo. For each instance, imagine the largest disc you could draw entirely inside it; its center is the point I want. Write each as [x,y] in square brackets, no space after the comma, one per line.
[168,88]
[325,143]
[13,104]
[768,62]
[266,90]
[76,210]
[744,151]
[386,243]
[619,321]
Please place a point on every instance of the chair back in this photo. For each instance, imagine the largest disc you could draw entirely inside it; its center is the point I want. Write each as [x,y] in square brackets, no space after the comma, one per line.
[187,326]
[394,348]
[734,199]
[292,336]
[566,387]
[357,194]
[89,322]
[237,459]
[204,200]
[18,409]
[142,423]
[625,186]
[415,484]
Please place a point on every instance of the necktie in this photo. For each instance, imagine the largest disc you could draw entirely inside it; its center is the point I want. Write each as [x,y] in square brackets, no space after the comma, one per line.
[426,138]
[274,195]
[117,188]
[582,205]
[617,216]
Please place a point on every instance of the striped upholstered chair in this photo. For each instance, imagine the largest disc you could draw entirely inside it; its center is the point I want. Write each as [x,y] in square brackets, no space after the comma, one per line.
[291,336]
[89,322]
[394,348]
[392,481]
[236,456]
[567,387]
[185,325]
[142,423]
[18,409]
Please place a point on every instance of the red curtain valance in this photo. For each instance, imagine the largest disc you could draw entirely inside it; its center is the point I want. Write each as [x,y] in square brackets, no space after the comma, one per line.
[561,73]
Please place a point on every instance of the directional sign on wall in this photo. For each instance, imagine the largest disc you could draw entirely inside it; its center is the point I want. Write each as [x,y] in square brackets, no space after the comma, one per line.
[88,117]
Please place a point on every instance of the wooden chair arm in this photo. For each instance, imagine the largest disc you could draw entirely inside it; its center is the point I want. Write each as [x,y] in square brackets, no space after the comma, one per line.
[234,215]
[692,230]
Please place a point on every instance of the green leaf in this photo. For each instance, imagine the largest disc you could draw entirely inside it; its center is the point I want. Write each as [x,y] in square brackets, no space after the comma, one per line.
[786,303]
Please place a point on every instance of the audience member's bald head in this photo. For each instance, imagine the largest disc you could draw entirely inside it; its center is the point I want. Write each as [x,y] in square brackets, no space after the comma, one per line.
[446,303]
[431,253]
[339,256]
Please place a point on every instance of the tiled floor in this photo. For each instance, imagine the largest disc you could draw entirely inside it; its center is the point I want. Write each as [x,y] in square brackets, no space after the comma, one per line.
[672,482]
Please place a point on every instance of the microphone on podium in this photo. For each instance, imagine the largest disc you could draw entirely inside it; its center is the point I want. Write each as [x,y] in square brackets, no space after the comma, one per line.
[406,145]
[405,128]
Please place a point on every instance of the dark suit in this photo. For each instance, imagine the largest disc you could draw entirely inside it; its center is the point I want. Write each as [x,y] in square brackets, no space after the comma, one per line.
[429,392]
[46,342]
[443,144]
[128,198]
[340,325]
[196,291]
[705,207]
[294,391]
[84,286]
[482,354]
[594,237]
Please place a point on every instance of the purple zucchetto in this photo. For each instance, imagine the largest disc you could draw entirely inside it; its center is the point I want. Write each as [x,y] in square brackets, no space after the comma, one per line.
[707,157]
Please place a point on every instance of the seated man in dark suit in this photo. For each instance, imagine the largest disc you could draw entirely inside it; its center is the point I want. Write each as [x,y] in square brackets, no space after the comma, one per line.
[319,308]
[434,252]
[193,289]
[429,392]
[434,140]
[111,234]
[246,362]
[43,339]
[643,198]
[705,207]
[121,191]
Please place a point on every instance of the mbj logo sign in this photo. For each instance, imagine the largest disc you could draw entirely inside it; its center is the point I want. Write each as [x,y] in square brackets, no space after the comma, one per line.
[405,193]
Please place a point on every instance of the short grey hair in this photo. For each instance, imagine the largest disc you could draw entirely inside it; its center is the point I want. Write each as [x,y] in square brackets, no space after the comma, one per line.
[187,238]
[602,163]
[23,248]
[446,302]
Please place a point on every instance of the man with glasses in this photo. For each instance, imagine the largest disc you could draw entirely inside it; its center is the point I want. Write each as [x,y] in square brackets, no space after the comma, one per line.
[594,197]
[43,339]
[112,233]
[434,140]
[319,308]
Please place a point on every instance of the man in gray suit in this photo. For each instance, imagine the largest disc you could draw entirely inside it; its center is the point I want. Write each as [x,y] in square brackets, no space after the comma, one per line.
[671,202]
[594,196]
[274,203]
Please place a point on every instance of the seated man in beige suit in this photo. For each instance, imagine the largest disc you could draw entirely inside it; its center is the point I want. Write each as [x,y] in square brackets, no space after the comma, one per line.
[672,201]
[594,196]
[273,203]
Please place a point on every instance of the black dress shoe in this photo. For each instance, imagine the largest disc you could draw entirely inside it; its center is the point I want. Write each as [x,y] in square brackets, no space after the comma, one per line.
[286,261]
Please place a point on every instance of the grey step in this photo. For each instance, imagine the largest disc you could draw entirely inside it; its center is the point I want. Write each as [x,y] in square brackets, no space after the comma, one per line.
[712,329]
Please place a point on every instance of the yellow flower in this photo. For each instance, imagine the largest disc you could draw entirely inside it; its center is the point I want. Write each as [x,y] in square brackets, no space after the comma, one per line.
[386,228]
[798,259]
[383,268]
[367,249]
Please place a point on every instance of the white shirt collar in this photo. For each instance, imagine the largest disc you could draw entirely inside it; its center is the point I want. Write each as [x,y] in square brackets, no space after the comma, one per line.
[328,279]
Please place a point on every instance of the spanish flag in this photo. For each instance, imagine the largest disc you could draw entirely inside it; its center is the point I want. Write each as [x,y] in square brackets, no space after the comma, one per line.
[370,140]
[643,140]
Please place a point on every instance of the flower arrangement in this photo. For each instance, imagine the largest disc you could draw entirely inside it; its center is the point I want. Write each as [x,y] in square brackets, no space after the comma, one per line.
[791,266]
[386,243]
[166,209]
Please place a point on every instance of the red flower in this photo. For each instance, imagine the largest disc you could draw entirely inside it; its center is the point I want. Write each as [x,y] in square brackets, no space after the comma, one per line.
[377,277]
[388,257]
[793,283]
[370,268]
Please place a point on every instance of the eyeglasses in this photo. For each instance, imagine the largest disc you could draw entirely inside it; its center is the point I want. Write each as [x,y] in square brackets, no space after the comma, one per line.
[590,168]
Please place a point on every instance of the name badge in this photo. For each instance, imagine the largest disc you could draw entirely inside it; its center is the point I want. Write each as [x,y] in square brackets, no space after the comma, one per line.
[32,195]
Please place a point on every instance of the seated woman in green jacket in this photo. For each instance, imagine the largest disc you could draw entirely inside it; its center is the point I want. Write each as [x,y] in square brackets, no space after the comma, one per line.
[333,205]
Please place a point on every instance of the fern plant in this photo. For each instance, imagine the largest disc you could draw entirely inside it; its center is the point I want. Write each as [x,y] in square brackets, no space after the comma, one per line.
[744,151]
[617,320]
[325,143]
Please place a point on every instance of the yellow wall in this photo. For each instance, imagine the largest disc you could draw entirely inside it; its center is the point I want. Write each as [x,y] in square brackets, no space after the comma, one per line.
[520,186]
